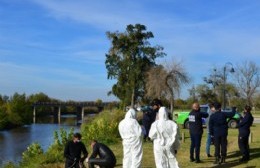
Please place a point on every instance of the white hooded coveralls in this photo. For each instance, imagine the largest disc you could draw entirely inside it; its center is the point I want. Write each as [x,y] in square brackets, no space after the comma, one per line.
[131,133]
[163,132]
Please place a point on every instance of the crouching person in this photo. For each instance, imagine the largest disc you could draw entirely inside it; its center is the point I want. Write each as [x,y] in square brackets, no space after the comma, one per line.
[164,132]
[73,151]
[105,159]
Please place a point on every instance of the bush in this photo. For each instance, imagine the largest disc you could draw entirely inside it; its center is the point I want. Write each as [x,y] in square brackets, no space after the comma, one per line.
[9,165]
[104,127]
[32,156]
[54,153]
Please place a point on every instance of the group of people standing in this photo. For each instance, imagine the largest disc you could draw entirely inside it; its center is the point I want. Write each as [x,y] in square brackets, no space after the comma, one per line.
[163,132]
[217,132]
[165,136]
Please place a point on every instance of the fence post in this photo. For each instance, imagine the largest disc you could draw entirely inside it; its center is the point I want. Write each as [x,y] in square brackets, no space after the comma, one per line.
[182,137]
[251,137]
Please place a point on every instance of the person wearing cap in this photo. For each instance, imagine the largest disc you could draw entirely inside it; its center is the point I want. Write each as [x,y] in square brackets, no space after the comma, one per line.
[218,128]
[244,131]
[164,132]
[131,133]
[101,156]
[73,151]
[196,131]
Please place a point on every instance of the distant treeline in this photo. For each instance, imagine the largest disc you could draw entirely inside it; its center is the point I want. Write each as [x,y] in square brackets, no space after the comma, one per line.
[17,110]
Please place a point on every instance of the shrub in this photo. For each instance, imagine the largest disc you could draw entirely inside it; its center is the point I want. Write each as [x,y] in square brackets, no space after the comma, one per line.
[104,127]
[32,156]
[55,151]
[9,165]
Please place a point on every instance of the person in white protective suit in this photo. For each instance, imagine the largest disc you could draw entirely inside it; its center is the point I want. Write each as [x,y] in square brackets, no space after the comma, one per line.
[131,133]
[165,136]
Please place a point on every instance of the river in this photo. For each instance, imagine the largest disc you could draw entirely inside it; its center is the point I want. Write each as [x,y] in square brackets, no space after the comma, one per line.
[15,141]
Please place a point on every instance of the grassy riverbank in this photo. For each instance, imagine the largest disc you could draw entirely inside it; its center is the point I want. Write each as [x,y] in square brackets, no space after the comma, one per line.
[183,153]
[103,127]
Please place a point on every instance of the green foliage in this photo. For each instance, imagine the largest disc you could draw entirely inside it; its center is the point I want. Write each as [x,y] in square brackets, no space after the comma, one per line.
[130,56]
[3,118]
[205,94]
[32,156]
[9,165]
[33,150]
[14,111]
[55,151]
[40,97]
[103,128]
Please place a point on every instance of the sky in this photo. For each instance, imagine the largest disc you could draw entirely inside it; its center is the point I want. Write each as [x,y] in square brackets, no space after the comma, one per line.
[58,47]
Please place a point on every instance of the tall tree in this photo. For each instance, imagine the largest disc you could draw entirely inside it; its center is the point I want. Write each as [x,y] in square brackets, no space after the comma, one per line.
[248,78]
[129,57]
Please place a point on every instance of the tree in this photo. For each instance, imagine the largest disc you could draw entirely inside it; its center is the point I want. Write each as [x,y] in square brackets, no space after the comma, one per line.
[166,82]
[19,110]
[40,97]
[3,118]
[215,92]
[256,102]
[129,57]
[156,82]
[176,77]
[205,94]
[248,79]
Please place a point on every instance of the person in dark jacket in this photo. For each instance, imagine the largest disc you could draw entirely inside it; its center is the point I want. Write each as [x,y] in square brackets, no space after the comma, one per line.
[244,131]
[73,151]
[218,128]
[196,131]
[156,104]
[147,120]
[105,159]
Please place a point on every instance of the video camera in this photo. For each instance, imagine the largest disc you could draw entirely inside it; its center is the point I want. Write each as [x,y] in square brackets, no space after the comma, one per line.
[145,109]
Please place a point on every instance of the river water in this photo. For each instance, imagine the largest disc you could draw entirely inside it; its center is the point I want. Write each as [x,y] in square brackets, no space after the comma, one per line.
[14,142]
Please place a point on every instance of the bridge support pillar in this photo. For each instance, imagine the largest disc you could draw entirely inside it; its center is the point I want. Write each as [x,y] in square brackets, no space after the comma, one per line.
[34,114]
[59,114]
[82,114]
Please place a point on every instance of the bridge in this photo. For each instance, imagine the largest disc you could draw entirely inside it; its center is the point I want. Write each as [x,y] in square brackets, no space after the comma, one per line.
[81,106]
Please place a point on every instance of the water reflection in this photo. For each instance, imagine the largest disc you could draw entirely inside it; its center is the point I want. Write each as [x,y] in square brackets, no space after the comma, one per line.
[15,141]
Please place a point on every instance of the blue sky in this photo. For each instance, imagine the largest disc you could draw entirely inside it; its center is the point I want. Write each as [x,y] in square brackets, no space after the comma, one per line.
[58,47]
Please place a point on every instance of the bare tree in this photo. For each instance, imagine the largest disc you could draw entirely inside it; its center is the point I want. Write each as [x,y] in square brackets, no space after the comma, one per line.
[166,81]
[155,88]
[175,79]
[248,79]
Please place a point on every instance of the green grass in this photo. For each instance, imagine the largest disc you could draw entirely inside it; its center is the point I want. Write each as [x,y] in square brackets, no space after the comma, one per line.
[233,154]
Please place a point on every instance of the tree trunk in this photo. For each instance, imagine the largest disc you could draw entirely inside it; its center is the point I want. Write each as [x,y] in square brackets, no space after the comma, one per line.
[172,106]
[133,98]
